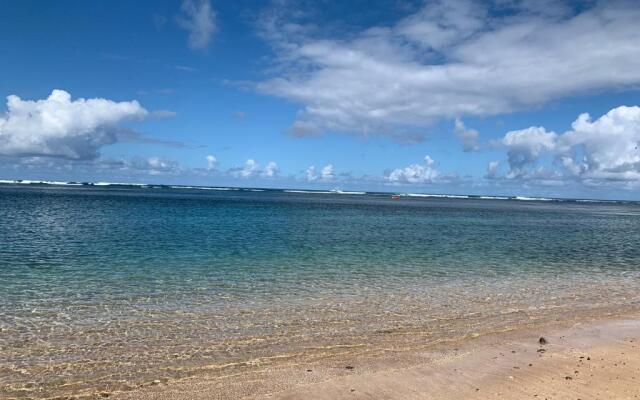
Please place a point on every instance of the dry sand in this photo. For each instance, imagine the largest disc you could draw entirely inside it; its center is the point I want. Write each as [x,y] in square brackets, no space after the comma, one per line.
[595,360]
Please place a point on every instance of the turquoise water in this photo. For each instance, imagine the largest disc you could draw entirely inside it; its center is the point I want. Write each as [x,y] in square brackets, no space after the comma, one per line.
[111,288]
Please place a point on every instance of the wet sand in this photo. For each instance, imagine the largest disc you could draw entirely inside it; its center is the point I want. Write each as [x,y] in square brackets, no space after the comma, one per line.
[589,360]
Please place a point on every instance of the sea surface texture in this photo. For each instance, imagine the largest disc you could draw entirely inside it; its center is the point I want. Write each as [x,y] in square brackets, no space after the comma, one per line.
[105,289]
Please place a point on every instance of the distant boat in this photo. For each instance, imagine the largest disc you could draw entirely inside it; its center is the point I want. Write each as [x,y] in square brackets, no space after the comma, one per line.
[395,196]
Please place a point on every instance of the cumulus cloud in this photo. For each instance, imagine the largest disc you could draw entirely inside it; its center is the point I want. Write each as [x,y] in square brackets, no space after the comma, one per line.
[311,174]
[252,169]
[271,169]
[60,127]
[525,146]
[158,166]
[449,59]
[327,172]
[415,173]
[212,162]
[606,149]
[468,137]
[492,169]
[154,165]
[325,175]
[199,19]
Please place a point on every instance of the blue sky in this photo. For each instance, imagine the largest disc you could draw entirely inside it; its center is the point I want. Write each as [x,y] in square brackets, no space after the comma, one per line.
[443,97]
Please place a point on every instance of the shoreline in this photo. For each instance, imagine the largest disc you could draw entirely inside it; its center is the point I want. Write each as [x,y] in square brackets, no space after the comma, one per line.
[505,365]
[296,364]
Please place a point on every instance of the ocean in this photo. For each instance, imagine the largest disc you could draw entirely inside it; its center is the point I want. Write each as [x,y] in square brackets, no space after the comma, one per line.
[107,288]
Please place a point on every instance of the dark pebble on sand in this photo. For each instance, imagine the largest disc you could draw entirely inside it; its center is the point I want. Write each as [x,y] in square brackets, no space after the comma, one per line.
[308,370]
[542,341]
[349,367]
[568,378]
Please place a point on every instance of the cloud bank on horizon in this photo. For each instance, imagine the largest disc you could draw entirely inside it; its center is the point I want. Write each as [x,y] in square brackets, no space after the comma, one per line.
[591,151]
[393,79]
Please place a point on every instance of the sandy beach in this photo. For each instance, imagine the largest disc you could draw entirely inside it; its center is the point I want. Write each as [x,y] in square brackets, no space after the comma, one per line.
[590,360]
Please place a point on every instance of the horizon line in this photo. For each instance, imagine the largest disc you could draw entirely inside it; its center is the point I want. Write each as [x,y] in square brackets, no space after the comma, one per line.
[334,190]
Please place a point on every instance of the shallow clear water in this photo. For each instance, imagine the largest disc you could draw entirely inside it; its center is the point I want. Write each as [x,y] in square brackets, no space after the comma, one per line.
[105,289]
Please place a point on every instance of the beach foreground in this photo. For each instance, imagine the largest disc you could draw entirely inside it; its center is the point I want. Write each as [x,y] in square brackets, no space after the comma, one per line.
[591,360]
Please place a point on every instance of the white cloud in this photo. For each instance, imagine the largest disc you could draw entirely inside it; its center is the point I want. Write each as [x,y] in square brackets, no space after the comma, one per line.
[158,166]
[212,162]
[252,169]
[492,169]
[271,169]
[311,174]
[60,127]
[326,173]
[443,24]
[468,137]
[525,146]
[607,149]
[415,173]
[199,19]
[450,59]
